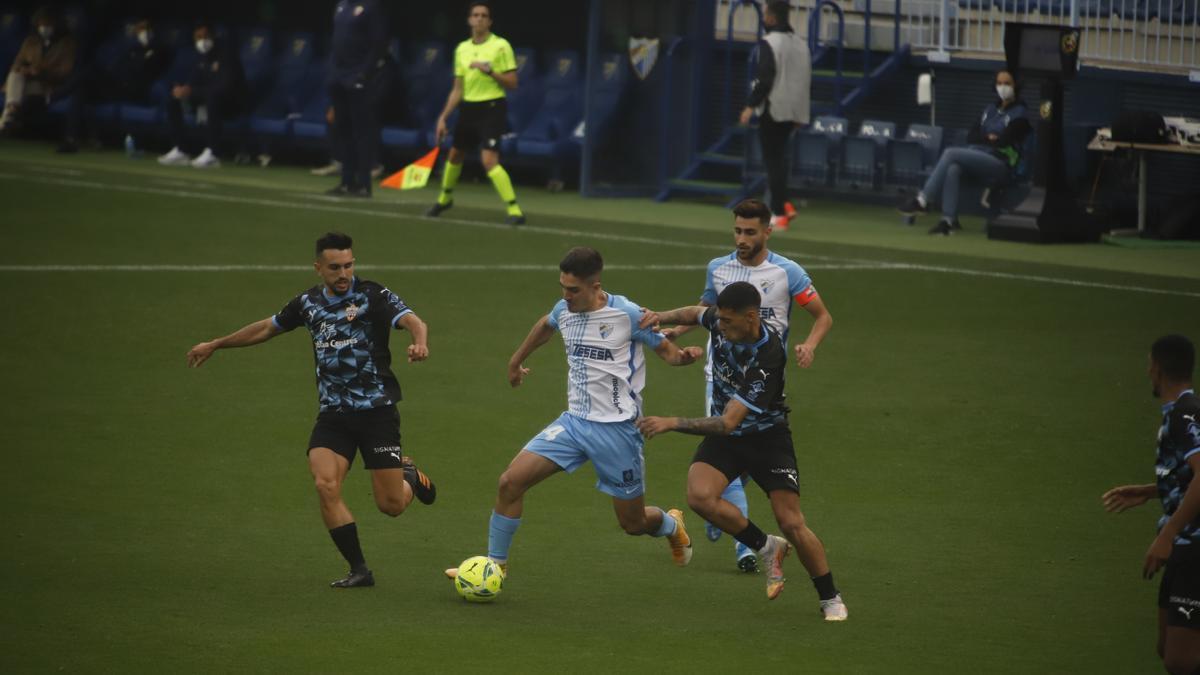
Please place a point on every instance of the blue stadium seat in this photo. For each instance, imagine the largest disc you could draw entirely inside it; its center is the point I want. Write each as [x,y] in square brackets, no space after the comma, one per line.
[1095,8]
[428,76]
[810,159]
[12,33]
[905,163]
[549,132]
[256,47]
[930,138]
[310,122]
[1138,10]
[523,102]
[863,156]
[611,80]
[290,89]
[877,130]
[956,138]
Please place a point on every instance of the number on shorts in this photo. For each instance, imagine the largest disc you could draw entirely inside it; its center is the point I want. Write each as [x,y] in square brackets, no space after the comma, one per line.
[550,433]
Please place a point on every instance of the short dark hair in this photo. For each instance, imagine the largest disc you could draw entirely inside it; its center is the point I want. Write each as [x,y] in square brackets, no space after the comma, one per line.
[337,241]
[1175,356]
[471,7]
[782,11]
[753,208]
[583,262]
[739,296]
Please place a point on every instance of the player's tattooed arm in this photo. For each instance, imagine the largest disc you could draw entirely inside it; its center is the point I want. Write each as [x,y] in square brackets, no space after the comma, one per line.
[723,425]
[539,335]
[684,316]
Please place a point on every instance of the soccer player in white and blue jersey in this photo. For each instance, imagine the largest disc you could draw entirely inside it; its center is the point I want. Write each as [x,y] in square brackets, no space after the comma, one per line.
[606,374]
[781,282]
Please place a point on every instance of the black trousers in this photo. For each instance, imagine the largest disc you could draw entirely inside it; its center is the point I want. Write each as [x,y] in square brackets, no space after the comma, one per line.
[356,131]
[381,91]
[773,136]
[221,103]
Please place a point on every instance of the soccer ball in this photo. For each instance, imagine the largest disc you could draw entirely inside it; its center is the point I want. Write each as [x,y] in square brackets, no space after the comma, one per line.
[479,579]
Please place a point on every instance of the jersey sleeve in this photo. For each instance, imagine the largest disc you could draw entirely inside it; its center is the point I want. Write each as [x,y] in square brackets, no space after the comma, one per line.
[459,69]
[800,285]
[709,319]
[1187,431]
[759,387]
[647,336]
[505,61]
[390,306]
[559,308]
[290,317]
[709,297]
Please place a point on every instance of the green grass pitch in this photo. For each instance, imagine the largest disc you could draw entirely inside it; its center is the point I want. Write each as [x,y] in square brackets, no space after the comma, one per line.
[972,402]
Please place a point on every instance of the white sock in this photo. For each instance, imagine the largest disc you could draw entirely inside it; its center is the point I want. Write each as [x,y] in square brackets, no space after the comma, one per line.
[921,199]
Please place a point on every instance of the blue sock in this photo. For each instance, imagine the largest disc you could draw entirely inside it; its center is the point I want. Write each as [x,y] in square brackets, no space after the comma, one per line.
[735,493]
[668,525]
[500,533]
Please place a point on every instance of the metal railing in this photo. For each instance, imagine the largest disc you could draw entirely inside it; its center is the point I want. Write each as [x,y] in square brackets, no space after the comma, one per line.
[1135,33]
[1140,34]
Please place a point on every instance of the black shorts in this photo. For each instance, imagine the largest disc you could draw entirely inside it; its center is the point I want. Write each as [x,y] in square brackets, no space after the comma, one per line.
[376,432]
[1179,591]
[481,124]
[768,457]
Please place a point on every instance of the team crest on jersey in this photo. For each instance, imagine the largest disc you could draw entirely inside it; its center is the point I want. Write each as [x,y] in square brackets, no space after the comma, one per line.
[606,329]
[766,285]
[351,311]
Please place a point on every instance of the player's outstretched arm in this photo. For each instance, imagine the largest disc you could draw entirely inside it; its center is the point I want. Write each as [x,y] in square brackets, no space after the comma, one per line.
[1126,497]
[684,316]
[419,349]
[735,412]
[255,333]
[671,353]
[822,321]
[539,335]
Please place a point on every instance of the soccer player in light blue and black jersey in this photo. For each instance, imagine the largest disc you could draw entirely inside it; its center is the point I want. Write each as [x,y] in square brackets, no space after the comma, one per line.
[350,320]
[747,432]
[1176,549]
[783,285]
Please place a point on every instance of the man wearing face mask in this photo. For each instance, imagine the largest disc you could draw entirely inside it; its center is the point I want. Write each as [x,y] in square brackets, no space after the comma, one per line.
[992,154]
[128,79]
[44,62]
[217,86]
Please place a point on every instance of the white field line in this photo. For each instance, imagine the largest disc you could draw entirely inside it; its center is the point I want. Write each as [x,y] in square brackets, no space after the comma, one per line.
[384,268]
[847,263]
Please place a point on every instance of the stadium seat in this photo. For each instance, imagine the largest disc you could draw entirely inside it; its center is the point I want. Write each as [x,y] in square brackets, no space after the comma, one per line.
[153,113]
[549,132]
[310,122]
[877,130]
[956,138]
[863,156]
[1138,10]
[607,96]
[905,163]
[810,159]
[930,138]
[256,48]
[523,102]
[977,5]
[1095,8]
[290,89]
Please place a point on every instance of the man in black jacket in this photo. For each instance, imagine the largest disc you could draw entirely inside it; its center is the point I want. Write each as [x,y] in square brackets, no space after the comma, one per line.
[143,59]
[358,70]
[216,89]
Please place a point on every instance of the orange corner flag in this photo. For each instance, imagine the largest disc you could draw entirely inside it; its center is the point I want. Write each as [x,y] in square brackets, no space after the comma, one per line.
[415,175]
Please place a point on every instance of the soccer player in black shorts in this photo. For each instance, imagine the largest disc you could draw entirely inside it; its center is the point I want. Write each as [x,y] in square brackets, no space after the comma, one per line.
[350,320]
[1176,549]
[748,432]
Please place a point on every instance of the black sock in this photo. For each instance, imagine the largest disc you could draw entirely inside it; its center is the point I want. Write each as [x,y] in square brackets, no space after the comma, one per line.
[346,540]
[824,585]
[752,536]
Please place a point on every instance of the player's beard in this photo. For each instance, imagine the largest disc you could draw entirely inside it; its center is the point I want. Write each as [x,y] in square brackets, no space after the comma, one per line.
[749,253]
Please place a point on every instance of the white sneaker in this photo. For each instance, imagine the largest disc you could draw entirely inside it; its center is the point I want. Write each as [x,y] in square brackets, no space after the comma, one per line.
[206,160]
[334,167]
[175,157]
[834,609]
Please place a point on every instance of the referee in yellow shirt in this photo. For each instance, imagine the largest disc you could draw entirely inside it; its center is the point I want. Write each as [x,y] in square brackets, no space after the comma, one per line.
[484,67]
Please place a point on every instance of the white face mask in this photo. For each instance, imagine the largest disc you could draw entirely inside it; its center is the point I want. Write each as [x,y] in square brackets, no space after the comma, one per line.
[1004,91]
[204,46]
[46,32]
[143,37]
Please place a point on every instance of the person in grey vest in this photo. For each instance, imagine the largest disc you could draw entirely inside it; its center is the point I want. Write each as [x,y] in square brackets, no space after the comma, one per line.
[780,97]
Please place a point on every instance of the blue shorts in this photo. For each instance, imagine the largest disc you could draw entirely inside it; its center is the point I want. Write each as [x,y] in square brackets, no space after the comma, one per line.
[615,449]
